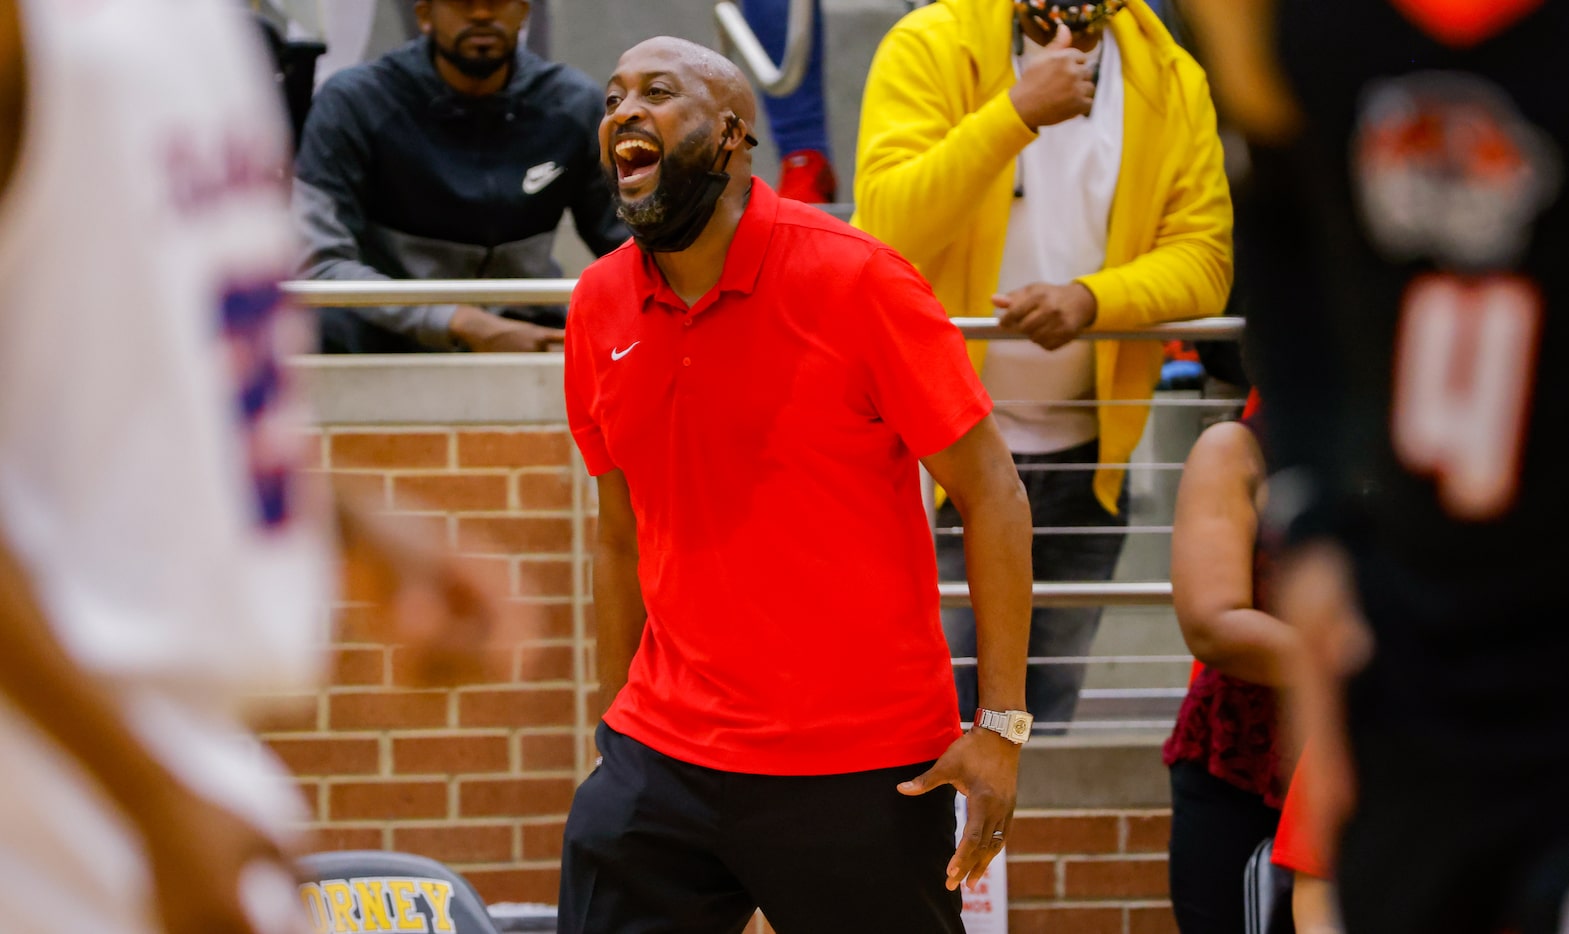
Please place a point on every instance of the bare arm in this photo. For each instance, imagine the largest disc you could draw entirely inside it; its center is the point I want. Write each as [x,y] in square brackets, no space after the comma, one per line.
[618,595]
[198,850]
[1313,905]
[1315,591]
[978,473]
[72,708]
[1212,544]
[979,476]
[12,90]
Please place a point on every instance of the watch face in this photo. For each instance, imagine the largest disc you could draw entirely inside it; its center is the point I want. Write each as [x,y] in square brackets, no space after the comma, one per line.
[1012,725]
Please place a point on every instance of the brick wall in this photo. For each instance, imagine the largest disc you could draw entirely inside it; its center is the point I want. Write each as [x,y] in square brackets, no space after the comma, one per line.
[1089,872]
[481,777]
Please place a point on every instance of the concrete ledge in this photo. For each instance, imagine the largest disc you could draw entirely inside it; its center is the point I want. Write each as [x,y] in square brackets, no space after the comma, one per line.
[424,389]
[1094,772]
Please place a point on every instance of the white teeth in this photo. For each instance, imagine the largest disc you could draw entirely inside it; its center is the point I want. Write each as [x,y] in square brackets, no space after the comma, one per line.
[625,147]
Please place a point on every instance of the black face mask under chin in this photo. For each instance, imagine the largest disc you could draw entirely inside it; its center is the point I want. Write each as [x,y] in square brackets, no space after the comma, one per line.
[688,213]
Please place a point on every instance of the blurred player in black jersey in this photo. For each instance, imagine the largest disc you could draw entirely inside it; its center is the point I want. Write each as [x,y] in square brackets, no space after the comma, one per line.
[1410,260]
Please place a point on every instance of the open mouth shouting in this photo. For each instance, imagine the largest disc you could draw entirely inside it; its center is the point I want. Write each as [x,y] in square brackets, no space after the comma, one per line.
[637,161]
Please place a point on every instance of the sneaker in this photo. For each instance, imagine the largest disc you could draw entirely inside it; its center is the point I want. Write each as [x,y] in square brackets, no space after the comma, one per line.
[1181,350]
[1181,374]
[806,175]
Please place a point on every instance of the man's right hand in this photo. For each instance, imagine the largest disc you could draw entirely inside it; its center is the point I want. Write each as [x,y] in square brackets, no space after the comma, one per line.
[1055,86]
[483,332]
[1312,589]
[1050,315]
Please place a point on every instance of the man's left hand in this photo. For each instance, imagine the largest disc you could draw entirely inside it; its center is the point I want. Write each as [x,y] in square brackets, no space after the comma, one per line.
[984,767]
[1050,315]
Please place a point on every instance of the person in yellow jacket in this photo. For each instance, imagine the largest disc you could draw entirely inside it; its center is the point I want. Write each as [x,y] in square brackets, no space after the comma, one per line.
[1057,166]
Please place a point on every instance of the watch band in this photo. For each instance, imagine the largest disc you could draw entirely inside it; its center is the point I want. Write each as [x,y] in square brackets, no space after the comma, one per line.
[1012,725]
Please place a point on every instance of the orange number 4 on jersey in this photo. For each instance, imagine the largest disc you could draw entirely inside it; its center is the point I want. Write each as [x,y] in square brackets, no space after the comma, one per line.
[1465,365]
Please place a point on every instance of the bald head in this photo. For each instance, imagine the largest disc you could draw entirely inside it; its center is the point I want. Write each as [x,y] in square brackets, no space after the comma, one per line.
[678,117]
[693,64]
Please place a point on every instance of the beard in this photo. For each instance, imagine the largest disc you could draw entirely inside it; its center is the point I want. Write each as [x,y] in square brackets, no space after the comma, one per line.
[477,67]
[682,170]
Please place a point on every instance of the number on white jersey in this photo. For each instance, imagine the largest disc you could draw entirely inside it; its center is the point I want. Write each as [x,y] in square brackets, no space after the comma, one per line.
[1465,365]
[250,329]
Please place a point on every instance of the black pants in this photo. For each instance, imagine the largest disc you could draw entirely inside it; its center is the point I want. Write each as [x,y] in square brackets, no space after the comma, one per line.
[1215,827]
[342,330]
[658,845]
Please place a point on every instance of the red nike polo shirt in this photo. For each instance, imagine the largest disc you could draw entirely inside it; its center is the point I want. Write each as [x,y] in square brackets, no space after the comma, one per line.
[769,436]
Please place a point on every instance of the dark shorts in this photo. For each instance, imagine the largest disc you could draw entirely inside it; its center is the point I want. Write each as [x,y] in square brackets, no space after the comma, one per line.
[1447,841]
[658,845]
[1459,731]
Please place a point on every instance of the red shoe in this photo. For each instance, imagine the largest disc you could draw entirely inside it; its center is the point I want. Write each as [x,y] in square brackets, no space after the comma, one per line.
[806,175]
[1181,350]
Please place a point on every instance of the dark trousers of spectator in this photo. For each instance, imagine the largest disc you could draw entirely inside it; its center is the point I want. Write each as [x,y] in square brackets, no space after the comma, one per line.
[798,120]
[1058,498]
[343,331]
[654,844]
[1215,827]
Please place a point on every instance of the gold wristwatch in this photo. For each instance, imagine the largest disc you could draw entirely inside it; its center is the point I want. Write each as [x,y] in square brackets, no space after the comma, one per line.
[1012,725]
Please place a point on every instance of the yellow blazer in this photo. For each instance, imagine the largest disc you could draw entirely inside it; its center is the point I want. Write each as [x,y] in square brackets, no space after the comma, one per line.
[935,173]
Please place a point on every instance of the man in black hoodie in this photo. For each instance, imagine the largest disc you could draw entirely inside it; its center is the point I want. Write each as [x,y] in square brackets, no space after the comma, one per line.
[452,157]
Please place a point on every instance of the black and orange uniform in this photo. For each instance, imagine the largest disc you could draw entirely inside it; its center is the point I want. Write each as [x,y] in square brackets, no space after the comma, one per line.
[1411,262]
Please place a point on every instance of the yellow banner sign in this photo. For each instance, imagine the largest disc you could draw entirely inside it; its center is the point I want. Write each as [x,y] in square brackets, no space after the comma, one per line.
[381,903]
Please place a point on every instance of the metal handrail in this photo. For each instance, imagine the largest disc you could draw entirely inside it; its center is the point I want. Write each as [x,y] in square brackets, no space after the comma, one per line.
[1201,329]
[317,292]
[737,38]
[361,292]
[1074,593]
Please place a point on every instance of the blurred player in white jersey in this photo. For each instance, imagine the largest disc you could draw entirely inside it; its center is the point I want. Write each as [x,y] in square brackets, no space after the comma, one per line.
[160,557]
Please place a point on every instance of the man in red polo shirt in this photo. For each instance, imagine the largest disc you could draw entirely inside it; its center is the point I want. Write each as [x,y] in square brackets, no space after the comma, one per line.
[753,383]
